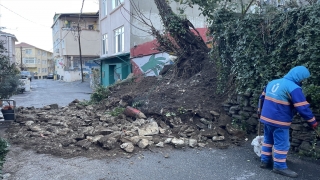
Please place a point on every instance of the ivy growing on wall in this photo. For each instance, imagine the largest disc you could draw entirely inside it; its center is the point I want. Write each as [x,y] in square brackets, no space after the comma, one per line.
[255,49]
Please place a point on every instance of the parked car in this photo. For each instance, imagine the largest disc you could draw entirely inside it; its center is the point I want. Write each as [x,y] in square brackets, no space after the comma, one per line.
[26,75]
[50,76]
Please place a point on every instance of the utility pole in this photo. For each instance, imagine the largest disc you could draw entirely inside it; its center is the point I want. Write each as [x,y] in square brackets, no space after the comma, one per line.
[21,57]
[80,52]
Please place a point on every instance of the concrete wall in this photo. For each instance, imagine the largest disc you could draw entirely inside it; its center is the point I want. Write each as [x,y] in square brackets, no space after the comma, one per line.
[90,43]
[70,76]
[242,110]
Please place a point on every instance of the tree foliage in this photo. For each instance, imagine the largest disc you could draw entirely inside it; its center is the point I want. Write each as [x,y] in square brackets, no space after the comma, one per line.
[210,7]
[9,75]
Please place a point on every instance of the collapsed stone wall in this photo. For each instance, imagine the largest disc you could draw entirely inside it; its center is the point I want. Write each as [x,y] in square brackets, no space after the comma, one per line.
[242,108]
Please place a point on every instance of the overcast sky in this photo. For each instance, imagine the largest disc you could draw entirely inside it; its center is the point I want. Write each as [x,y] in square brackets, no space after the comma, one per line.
[31,20]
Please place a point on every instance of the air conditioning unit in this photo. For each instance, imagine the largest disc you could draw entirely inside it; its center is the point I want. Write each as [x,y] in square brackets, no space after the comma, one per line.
[90,27]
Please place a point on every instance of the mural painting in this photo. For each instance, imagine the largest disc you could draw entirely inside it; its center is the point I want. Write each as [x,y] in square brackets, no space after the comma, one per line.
[150,65]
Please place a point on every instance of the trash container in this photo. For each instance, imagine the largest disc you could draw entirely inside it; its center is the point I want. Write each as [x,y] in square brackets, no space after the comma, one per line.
[8,114]
[8,110]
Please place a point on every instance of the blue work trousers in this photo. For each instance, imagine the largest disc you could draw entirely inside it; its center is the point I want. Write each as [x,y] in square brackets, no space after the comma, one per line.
[278,138]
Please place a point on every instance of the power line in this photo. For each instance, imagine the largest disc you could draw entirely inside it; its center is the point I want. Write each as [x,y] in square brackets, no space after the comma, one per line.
[23,17]
[60,41]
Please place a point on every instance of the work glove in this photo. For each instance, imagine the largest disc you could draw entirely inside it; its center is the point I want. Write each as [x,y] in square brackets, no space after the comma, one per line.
[314,125]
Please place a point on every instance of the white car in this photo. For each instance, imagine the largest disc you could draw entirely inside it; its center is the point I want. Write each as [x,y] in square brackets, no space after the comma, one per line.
[26,75]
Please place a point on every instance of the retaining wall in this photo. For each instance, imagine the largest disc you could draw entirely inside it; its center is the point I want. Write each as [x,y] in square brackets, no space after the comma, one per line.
[243,111]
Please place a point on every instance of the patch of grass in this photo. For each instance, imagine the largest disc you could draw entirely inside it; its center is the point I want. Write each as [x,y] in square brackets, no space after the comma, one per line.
[137,104]
[182,110]
[117,111]
[86,103]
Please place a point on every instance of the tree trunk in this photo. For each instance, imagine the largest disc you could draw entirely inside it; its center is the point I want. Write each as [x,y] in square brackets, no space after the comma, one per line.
[182,39]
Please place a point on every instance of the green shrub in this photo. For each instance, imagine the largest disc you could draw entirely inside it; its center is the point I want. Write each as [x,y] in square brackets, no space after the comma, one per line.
[3,151]
[9,75]
[100,94]
[258,48]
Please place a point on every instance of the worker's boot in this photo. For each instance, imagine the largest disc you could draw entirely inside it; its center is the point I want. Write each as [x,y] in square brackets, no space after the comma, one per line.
[286,172]
[264,165]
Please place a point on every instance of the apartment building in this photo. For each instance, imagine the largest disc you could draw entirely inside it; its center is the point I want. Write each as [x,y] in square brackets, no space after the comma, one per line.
[8,41]
[66,52]
[37,61]
[115,41]
[126,46]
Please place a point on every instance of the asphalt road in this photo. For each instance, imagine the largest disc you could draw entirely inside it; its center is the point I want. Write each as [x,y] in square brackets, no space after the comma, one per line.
[235,163]
[47,91]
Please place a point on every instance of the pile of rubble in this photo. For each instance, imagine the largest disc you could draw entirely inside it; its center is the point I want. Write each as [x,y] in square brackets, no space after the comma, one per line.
[76,129]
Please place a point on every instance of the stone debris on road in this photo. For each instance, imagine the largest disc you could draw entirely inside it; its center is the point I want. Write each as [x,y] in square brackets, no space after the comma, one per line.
[72,130]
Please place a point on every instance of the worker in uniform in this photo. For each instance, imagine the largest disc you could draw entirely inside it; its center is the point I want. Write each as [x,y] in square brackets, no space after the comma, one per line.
[279,102]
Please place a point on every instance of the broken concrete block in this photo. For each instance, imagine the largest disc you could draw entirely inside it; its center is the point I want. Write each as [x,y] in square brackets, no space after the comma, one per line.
[46,107]
[160,144]
[108,143]
[168,140]
[29,123]
[217,138]
[149,129]
[135,139]
[84,144]
[143,143]
[215,114]
[178,142]
[128,147]
[193,143]
[201,144]
[94,139]
[35,128]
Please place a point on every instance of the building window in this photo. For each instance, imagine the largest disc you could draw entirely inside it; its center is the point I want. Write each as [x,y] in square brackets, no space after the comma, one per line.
[44,62]
[42,70]
[105,44]
[104,8]
[116,3]
[39,61]
[119,39]
[28,51]
[38,52]
[29,60]
[39,70]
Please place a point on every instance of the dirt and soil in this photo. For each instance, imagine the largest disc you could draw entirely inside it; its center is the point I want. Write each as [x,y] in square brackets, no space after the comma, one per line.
[184,109]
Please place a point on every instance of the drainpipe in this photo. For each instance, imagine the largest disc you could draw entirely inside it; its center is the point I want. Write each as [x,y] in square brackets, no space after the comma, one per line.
[21,57]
